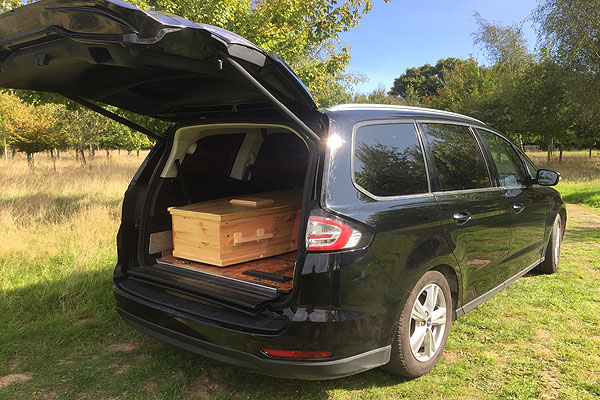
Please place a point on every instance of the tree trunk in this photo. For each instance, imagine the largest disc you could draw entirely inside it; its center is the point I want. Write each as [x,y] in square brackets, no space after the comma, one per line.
[108,155]
[128,154]
[53,160]
[14,152]
[138,153]
[77,154]
[6,151]
[588,157]
[560,155]
[550,143]
[30,162]
[57,154]
[82,157]
[92,150]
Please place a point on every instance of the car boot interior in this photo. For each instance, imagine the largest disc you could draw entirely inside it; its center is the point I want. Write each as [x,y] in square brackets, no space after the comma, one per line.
[208,162]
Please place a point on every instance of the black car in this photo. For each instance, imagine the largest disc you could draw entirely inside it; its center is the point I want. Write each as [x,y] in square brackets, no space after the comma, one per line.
[409,218]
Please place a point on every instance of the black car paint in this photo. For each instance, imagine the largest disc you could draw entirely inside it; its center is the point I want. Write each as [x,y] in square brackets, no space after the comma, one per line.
[348,302]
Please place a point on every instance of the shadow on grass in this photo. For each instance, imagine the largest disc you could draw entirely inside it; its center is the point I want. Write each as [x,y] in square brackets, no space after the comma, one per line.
[53,207]
[587,197]
[67,334]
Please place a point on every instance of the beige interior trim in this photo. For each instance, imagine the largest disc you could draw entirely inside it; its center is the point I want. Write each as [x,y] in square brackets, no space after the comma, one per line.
[187,136]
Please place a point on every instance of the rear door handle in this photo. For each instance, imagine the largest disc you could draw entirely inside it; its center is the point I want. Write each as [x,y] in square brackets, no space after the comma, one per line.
[461,218]
[518,207]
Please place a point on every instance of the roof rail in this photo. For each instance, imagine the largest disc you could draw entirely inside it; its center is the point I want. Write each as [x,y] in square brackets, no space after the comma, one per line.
[343,107]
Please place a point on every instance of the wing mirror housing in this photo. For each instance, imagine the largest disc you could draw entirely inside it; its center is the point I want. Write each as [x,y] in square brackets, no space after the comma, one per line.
[547,177]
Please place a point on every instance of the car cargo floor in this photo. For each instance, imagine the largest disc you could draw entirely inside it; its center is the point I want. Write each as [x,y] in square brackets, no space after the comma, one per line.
[274,272]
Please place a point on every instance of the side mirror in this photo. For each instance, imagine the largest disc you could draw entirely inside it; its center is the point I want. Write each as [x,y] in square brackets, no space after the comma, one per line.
[547,177]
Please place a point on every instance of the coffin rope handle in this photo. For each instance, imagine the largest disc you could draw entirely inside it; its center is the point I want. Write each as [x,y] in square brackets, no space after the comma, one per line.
[260,236]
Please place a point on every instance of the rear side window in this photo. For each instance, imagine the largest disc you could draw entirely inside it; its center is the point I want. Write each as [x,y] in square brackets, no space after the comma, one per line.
[458,159]
[388,160]
[511,170]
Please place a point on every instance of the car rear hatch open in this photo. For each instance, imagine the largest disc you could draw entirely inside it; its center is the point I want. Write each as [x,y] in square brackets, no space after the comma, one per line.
[146,62]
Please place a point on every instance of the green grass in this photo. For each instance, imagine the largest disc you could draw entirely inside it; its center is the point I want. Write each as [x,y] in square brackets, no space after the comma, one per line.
[587,193]
[62,339]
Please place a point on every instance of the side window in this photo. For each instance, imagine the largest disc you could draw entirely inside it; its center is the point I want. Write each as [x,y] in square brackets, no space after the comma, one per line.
[388,160]
[530,166]
[510,168]
[459,162]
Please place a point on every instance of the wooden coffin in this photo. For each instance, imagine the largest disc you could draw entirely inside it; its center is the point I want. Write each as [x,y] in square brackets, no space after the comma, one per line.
[232,230]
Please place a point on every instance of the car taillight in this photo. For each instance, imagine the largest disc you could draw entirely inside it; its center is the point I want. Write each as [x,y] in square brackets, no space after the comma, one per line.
[297,353]
[327,234]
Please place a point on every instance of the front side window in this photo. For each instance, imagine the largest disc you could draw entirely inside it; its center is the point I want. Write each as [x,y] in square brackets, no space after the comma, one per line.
[458,160]
[388,160]
[511,170]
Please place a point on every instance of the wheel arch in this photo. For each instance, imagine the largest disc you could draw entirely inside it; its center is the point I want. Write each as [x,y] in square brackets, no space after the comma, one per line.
[452,279]
[563,220]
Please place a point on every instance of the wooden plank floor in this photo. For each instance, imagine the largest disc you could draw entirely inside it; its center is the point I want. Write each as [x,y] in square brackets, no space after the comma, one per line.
[282,264]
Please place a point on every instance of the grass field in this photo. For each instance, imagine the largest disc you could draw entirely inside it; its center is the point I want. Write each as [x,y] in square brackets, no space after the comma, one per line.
[62,339]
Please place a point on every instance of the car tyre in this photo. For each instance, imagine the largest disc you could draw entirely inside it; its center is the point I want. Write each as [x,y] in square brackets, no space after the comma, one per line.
[550,263]
[423,328]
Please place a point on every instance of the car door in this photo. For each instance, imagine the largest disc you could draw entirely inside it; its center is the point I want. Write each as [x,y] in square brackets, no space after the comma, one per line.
[526,202]
[474,218]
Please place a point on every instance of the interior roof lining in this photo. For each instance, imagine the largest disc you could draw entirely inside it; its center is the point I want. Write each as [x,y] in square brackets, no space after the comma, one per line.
[187,135]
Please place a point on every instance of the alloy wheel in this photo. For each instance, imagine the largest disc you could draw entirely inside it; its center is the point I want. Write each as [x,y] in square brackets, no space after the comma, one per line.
[428,322]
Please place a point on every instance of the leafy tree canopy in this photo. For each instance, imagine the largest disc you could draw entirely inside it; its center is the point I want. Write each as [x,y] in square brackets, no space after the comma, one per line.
[423,81]
[571,28]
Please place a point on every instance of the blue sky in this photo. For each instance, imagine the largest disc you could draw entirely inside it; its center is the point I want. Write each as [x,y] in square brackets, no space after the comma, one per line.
[403,34]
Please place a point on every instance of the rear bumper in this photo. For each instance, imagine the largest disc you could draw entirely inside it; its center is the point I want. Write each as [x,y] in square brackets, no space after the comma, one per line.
[313,370]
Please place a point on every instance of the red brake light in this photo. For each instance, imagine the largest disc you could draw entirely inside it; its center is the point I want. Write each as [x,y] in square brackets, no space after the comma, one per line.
[297,353]
[327,234]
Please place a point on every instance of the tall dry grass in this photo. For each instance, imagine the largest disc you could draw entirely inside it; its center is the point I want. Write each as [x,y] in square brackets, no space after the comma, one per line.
[576,166]
[59,222]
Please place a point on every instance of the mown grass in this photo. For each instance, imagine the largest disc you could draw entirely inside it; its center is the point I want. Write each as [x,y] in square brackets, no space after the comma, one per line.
[61,337]
[580,175]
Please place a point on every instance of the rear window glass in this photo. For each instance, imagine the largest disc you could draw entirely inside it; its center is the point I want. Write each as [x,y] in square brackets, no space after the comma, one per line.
[388,160]
[458,160]
[214,156]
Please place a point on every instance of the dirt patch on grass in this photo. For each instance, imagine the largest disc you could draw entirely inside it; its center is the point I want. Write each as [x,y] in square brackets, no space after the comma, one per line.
[10,379]
[543,335]
[13,365]
[151,388]
[204,386]
[551,384]
[452,356]
[123,369]
[81,321]
[124,347]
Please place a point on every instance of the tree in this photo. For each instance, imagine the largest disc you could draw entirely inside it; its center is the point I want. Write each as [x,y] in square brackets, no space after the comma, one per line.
[30,128]
[571,28]
[377,96]
[83,127]
[468,89]
[423,81]
[306,34]
[543,103]
[504,45]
